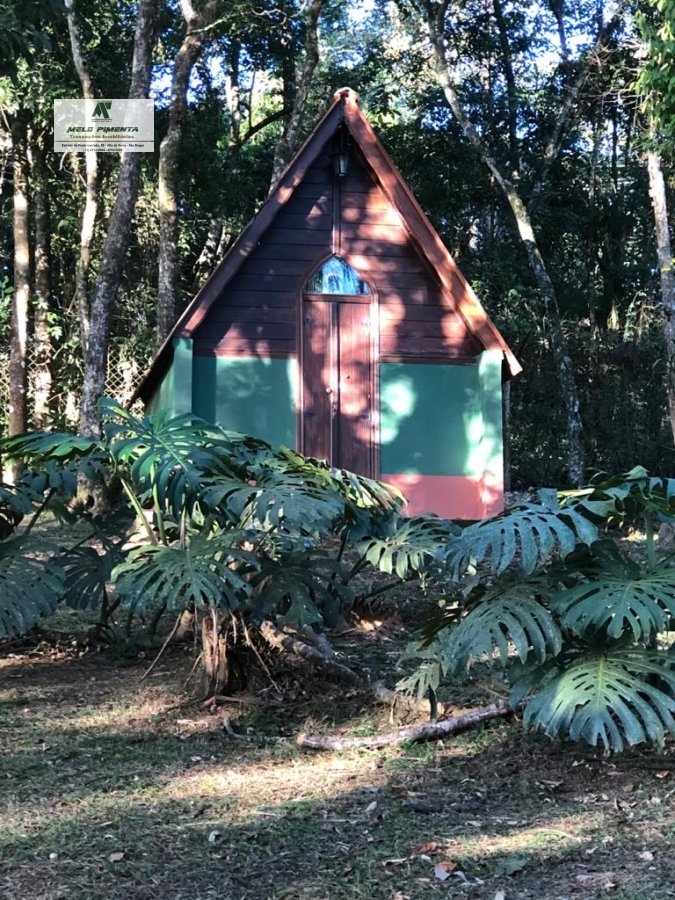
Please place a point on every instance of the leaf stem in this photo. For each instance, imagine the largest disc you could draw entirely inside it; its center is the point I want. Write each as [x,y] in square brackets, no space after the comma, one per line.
[138,509]
[649,541]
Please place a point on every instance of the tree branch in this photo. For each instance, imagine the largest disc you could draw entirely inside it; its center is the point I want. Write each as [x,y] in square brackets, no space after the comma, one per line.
[554,142]
[434,731]
[282,641]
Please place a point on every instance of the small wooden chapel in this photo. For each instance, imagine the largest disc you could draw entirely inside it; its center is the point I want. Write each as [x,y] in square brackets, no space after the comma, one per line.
[339,324]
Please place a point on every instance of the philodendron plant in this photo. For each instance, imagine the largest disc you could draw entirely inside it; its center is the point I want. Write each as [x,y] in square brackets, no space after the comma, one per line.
[578,624]
[229,528]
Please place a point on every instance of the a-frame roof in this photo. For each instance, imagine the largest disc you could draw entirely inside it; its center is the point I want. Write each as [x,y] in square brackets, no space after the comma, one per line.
[345,111]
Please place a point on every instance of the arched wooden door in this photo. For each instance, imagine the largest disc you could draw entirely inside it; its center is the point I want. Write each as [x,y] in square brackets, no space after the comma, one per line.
[338,374]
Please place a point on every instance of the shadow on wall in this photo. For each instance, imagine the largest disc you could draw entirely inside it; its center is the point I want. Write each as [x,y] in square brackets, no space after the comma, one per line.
[253,396]
[441,438]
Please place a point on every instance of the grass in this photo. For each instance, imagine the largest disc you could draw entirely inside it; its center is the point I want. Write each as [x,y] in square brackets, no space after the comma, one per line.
[115,787]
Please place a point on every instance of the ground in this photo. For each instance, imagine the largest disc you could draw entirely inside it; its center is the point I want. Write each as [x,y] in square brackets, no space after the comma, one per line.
[117,787]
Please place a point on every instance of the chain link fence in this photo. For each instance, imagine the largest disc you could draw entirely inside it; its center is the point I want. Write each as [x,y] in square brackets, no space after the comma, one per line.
[123,375]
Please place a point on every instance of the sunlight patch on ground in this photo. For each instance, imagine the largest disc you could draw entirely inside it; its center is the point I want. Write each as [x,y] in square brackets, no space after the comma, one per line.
[481,840]
[284,782]
[120,716]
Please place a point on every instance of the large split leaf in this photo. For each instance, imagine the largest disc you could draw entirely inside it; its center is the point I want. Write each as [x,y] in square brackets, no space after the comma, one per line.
[411,544]
[303,587]
[643,604]
[508,619]
[623,497]
[429,671]
[48,445]
[167,457]
[208,571]
[87,573]
[528,534]
[607,699]
[30,589]
[15,503]
[277,500]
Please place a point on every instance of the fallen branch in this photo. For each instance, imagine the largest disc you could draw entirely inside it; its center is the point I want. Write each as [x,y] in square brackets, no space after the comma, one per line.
[282,641]
[432,731]
[261,740]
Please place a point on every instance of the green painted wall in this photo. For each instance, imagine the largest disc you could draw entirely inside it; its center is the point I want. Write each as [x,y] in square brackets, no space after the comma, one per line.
[254,396]
[174,394]
[441,419]
[492,444]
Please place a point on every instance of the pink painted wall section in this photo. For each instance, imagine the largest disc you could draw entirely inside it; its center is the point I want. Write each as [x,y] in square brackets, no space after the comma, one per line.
[450,496]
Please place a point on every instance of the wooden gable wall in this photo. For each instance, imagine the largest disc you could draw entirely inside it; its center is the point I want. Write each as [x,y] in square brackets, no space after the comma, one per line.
[255,356]
[256,314]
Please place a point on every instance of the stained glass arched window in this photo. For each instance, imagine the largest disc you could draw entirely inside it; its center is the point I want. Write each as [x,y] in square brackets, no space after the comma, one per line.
[336,276]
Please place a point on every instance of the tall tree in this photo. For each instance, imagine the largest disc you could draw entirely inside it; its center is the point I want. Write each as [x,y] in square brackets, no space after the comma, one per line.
[18,345]
[197,20]
[298,66]
[116,241]
[89,213]
[509,178]
[656,83]
[664,255]
[42,379]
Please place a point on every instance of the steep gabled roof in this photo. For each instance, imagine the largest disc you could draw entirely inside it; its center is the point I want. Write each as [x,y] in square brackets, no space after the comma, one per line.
[344,110]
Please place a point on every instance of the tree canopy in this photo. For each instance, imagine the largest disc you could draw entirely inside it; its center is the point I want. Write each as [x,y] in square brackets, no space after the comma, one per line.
[553,102]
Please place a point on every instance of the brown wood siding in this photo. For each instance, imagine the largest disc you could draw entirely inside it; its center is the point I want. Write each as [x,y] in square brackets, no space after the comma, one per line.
[244,308]
[416,321]
[257,313]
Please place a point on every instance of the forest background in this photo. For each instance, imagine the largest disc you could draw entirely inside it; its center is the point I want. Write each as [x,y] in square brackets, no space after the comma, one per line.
[538,139]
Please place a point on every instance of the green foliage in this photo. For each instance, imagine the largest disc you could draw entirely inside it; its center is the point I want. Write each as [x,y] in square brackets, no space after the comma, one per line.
[607,698]
[623,499]
[15,503]
[230,524]
[87,574]
[21,30]
[207,571]
[508,618]
[431,668]
[300,586]
[577,638]
[529,535]
[620,602]
[29,588]
[656,79]
[408,546]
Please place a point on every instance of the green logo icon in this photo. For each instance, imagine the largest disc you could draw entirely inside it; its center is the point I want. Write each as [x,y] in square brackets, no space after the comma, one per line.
[101,109]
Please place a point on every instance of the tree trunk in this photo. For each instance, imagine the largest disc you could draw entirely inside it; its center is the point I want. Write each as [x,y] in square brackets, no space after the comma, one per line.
[657,190]
[206,261]
[18,340]
[299,95]
[214,653]
[42,379]
[117,238]
[88,225]
[447,77]
[233,92]
[169,262]
[554,334]
[511,89]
